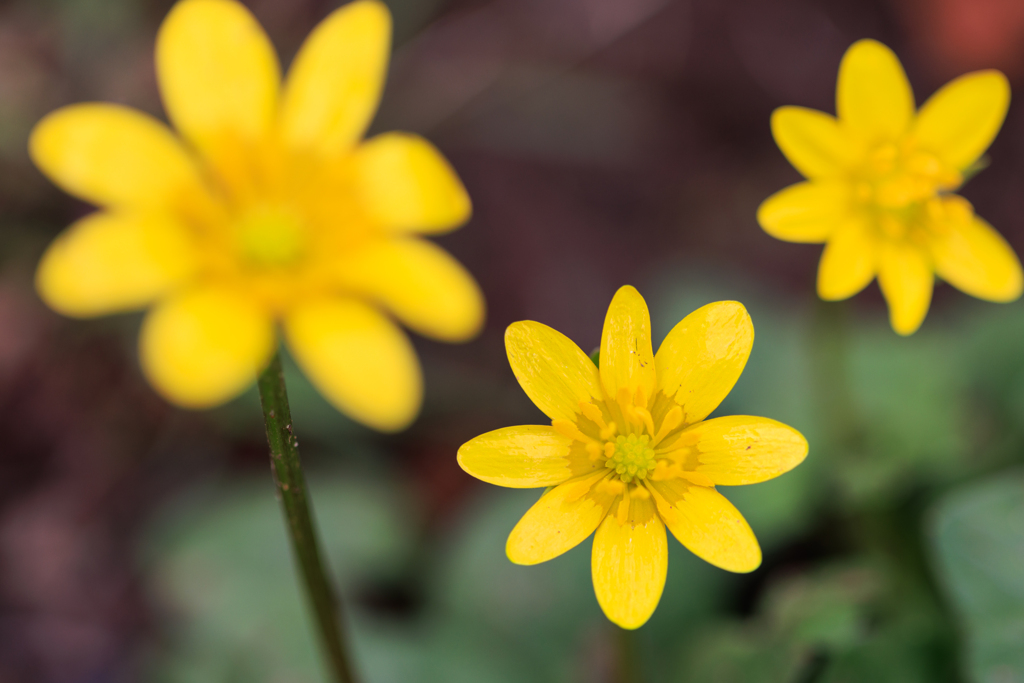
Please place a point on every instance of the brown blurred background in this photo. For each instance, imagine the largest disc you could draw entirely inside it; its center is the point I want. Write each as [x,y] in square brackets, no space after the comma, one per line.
[603,142]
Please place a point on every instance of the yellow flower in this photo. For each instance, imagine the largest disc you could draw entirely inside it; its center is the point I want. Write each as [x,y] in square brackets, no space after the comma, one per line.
[268,209]
[628,451]
[879,178]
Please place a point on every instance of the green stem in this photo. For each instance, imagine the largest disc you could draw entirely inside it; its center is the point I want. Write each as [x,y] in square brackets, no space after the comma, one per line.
[291,491]
[628,670]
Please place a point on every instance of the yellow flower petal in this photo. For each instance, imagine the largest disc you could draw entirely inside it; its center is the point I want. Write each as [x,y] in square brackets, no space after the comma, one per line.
[627,361]
[905,276]
[358,359]
[873,95]
[420,283]
[111,155]
[848,262]
[703,356]
[805,212]
[218,72]
[551,369]
[558,522]
[204,347]
[959,122]
[704,521]
[738,449]
[629,564]
[107,263]
[974,258]
[519,457]
[813,142]
[334,84]
[406,185]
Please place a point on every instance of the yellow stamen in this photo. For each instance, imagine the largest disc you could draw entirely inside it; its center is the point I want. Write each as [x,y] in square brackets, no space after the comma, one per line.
[569,429]
[592,413]
[673,419]
[622,514]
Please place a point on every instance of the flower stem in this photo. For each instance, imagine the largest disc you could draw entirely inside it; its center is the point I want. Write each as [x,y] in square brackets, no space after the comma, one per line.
[291,491]
[627,664]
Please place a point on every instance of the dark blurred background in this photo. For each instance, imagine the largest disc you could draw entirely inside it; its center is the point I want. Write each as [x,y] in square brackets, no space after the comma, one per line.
[604,142]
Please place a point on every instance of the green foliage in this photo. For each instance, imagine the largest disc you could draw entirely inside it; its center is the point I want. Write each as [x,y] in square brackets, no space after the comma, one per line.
[977,535]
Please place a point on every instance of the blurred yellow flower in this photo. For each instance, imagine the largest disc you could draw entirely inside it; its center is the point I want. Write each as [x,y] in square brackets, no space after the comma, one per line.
[269,209]
[628,451]
[879,177]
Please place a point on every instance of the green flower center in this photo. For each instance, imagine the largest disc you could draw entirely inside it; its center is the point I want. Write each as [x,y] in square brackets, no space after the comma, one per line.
[896,176]
[271,237]
[633,457]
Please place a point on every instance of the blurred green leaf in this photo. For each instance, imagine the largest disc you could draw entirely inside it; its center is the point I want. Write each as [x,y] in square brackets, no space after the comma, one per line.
[977,535]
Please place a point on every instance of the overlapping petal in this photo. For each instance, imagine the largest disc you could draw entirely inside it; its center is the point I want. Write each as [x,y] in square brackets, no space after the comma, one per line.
[205,346]
[112,156]
[627,360]
[703,356]
[406,185]
[218,72]
[806,212]
[708,525]
[848,263]
[358,359]
[558,522]
[873,95]
[629,564]
[519,457]
[905,276]
[814,142]
[973,257]
[335,82]
[420,283]
[551,369]
[739,449]
[112,262]
[959,122]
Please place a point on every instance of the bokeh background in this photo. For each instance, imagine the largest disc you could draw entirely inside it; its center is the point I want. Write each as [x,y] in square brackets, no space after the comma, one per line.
[604,142]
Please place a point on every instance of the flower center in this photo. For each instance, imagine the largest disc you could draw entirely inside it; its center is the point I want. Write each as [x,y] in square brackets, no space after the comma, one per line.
[899,186]
[271,237]
[633,457]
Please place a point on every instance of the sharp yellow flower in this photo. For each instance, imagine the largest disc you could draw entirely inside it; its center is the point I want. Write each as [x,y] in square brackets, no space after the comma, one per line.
[268,209]
[879,182]
[628,451]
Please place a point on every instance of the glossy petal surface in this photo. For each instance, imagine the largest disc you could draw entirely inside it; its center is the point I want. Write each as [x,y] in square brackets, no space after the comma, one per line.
[739,449]
[406,185]
[627,361]
[358,359]
[873,96]
[629,564]
[848,263]
[551,369]
[813,142]
[703,356]
[335,83]
[959,122]
[558,522]
[112,262]
[204,347]
[112,156]
[218,72]
[806,212]
[905,276]
[709,526]
[975,259]
[518,457]
[420,283]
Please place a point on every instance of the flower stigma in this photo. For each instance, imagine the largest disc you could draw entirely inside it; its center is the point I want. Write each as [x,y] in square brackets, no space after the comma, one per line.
[633,457]
[271,237]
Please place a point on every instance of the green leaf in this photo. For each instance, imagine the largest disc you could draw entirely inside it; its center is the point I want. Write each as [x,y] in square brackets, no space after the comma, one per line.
[977,537]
